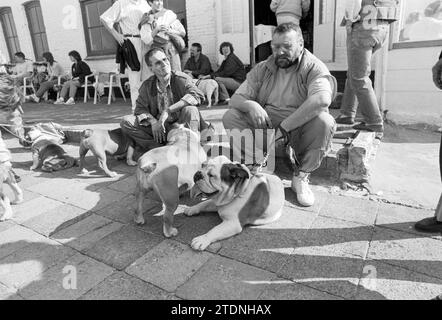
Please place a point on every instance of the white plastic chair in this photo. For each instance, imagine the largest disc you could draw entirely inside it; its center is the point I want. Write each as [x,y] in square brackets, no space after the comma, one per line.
[87,85]
[110,80]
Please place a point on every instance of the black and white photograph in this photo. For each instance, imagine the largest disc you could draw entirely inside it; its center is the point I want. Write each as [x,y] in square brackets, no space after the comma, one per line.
[220,155]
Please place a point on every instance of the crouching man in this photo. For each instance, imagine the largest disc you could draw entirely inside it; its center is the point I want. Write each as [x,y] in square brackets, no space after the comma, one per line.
[165,98]
[291,91]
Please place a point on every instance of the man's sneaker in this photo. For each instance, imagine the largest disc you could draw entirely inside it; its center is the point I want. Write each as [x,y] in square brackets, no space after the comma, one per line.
[345,120]
[300,185]
[369,128]
[429,225]
[34,98]
[59,101]
[208,134]
[70,102]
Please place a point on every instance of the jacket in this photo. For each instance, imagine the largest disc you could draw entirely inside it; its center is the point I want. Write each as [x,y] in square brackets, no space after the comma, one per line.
[262,79]
[127,57]
[387,10]
[181,85]
[200,67]
[232,67]
[80,70]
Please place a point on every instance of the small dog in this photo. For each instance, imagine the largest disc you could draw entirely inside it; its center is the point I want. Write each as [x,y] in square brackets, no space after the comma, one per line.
[102,143]
[168,169]
[210,88]
[7,176]
[240,199]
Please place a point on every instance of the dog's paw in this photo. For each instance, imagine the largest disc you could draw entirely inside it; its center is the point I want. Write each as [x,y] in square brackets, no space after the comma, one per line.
[84,171]
[32,169]
[131,163]
[200,243]
[18,200]
[192,211]
[139,219]
[112,174]
[170,232]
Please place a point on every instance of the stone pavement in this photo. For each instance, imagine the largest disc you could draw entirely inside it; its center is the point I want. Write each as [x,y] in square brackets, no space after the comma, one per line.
[342,248]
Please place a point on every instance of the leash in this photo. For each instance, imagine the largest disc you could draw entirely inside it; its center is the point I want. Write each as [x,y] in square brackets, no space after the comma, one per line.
[4,127]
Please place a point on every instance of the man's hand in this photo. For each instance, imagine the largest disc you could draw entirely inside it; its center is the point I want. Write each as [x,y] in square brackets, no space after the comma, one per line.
[285,134]
[437,74]
[120,38]
[159,132]
[260,118]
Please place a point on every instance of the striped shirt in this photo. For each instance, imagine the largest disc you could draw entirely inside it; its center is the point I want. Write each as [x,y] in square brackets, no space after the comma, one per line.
[127,13]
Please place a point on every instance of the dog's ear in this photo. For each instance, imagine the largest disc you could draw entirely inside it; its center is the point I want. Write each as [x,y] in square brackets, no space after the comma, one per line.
[231,172]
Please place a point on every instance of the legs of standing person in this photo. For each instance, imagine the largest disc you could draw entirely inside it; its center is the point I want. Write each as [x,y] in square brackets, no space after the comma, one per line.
[288,18]
[229,83]
[135,76]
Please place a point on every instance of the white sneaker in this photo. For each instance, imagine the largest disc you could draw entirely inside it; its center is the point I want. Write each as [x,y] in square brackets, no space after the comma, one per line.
[59,101]
[70,102]
[34,98]
[300,185]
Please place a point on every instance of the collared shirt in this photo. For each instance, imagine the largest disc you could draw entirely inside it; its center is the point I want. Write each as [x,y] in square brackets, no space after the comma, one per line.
[200,67]
[22,69]
[127,13]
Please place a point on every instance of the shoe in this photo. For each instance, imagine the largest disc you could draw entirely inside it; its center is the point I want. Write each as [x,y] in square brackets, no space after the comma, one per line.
[300,185]
[70,102]
[207,134]
[59,101]
[345,120]
[369,128]
[34,98]
[429,225]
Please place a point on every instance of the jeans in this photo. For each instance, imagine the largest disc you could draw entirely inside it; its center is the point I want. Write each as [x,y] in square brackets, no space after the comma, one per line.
[311,142]
[45,87]
[361,45]
[142,136]
[70,87]
[229,83]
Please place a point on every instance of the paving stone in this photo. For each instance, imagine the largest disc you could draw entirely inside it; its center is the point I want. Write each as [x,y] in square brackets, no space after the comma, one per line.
[56,219]
[98,180]
[78,194]
[333,237]
[280,289]
[14,237]
[351,209]
[122,211]
[321,198]
[383,281]
[221,279]
[27,264]
[127,185]
[159,265]
[34,208]
[88,240]
[413,252]
[121,286]
[402,218]
[87,274]
[123,247]
[27,196]
[268,246]
[37,178]
[8,293]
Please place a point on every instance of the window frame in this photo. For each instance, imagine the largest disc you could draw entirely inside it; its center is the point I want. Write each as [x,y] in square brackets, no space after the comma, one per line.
[93,53]
[7,11]
[42,28]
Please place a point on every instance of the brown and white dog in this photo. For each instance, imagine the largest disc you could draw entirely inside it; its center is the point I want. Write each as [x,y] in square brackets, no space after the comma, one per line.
[210,88]
[168,169]
[240,199]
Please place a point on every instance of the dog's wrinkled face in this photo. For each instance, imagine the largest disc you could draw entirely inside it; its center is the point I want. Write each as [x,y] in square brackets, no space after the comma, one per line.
[222,179]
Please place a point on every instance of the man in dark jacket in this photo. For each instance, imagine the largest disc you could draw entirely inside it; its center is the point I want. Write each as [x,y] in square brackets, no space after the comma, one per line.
[434,224]
[165,98]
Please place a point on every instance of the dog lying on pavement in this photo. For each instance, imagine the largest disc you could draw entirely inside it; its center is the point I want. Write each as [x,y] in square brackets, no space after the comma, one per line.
[240,199]
[210,88]
[167,169]
[102,143]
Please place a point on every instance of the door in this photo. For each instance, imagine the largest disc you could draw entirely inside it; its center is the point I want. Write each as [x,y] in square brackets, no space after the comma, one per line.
[324,29]
[232,24]
[37,29]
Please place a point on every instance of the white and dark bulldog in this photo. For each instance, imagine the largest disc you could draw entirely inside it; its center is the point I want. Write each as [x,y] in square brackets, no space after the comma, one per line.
[167,171]
[239,198]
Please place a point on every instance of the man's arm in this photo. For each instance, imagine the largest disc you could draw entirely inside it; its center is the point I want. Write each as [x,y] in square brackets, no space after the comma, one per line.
[142,109]
[249,89]
[109,18]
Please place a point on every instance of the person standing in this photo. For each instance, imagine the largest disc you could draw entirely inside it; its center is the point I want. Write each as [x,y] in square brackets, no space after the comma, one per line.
[434,224]
[290,11]
[128,14]
[367,23]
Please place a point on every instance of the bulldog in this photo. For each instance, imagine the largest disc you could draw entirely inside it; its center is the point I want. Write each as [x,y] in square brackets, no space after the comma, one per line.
[210,88]
[240,198]
[167,171]
[101,143]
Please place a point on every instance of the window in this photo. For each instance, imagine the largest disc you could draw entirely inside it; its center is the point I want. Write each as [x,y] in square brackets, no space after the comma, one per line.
[232,16]
[98,40]
[37,28]
[9,31]
[420,24]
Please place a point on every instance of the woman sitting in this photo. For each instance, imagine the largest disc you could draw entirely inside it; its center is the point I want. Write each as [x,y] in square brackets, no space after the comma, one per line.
[80,70]
[55,70]
[161,28]
[232,72]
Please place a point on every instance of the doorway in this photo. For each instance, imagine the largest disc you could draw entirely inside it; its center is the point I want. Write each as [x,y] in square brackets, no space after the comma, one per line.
[264,19]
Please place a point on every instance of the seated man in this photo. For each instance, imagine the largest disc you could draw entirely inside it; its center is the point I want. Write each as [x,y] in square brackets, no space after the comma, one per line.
[165,98]
[291,91]
[198,66]
[23,69]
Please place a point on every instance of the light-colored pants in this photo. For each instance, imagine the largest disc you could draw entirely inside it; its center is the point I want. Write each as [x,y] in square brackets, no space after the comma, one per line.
[70,87]
[229,83]
[361,45]
[136,78]
[288,18]
[311,142]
